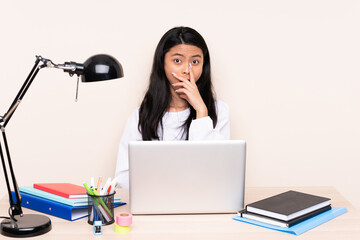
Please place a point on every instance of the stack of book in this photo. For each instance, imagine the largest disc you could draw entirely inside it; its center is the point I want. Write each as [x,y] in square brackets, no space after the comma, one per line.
[292,212]
[64,200]
[286,209]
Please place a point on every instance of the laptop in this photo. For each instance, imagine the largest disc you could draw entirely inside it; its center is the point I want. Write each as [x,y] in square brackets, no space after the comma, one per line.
[186,177]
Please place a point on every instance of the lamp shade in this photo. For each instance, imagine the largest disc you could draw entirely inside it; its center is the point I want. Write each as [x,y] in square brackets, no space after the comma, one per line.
[101,67]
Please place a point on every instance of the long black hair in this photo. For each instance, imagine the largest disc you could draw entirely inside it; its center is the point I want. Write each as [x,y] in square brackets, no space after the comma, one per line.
[158,96]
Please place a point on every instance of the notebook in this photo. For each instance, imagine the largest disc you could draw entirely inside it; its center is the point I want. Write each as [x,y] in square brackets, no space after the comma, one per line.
[303,226]
[288,205]
[179,177]
[281,223]
[66,190]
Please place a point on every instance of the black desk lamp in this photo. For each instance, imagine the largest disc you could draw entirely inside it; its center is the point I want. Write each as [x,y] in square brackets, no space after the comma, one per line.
[96,68]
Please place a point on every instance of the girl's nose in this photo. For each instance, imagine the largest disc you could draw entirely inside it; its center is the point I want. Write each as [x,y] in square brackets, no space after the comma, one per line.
[187,69]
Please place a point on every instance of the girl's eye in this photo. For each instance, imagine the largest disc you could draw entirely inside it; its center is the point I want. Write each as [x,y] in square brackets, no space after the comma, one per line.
[195,62]
[177,60]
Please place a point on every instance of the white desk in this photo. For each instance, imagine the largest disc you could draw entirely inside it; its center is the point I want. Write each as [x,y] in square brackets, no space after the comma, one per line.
[209,226]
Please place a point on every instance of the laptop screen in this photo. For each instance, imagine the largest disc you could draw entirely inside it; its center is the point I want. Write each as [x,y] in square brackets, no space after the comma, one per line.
[176,177]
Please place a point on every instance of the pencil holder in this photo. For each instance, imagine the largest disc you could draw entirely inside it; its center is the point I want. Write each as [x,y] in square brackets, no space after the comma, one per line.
[101,208]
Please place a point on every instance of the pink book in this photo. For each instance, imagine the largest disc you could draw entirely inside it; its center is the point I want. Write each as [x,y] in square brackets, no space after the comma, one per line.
[66,190]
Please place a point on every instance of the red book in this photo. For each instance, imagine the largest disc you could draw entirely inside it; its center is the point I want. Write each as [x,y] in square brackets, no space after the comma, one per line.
[67,190]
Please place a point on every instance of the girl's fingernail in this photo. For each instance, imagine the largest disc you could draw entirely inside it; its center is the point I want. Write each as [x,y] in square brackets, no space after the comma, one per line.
[176,90]
[173,73]
[173,84]
[190,65]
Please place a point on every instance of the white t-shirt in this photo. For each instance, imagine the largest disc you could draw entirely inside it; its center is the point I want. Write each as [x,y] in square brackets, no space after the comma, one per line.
[200,129]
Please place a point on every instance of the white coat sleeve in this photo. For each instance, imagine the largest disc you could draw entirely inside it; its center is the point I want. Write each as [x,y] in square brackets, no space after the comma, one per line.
[202,128]
[131,133]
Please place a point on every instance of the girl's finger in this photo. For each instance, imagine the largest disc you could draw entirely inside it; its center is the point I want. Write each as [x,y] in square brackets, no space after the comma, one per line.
[183,96]
[186,85]
[179,77]
[183,91]
[183,80]
[192,79]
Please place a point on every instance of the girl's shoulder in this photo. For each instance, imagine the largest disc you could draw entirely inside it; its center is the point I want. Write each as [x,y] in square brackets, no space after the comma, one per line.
[134,116]
[221,105]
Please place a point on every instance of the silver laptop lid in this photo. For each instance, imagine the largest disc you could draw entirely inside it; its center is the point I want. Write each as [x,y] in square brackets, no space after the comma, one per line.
[175,177]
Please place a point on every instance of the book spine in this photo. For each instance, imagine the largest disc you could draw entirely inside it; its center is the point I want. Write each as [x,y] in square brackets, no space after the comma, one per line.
[46,206]
[309,215]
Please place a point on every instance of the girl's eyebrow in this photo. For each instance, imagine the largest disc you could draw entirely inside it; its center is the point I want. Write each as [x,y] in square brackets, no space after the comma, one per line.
[181,55]
[178,54]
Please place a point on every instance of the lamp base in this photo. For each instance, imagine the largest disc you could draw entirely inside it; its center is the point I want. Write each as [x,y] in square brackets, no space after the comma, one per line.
[29,225]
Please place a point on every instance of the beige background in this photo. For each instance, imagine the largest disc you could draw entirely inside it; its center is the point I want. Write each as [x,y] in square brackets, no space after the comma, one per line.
[289,71]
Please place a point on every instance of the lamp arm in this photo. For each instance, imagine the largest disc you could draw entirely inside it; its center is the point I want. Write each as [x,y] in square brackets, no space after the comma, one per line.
[69,67]
[34,71]
[15,206]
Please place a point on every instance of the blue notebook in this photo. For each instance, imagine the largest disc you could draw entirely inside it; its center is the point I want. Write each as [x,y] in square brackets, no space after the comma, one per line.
[55,208]
[302,226]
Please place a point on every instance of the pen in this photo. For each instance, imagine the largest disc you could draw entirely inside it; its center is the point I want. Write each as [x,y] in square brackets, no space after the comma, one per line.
[92,182]
[98,185]
[95,196]
[92,215]
[109,199]
[103,191]
[90,192]
[100,209]
[97,200]
[112,184]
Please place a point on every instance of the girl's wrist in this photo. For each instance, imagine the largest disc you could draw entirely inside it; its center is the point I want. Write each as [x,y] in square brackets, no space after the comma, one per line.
[201,112]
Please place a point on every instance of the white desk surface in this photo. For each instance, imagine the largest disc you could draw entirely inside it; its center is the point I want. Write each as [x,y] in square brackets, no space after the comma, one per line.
[206,226]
